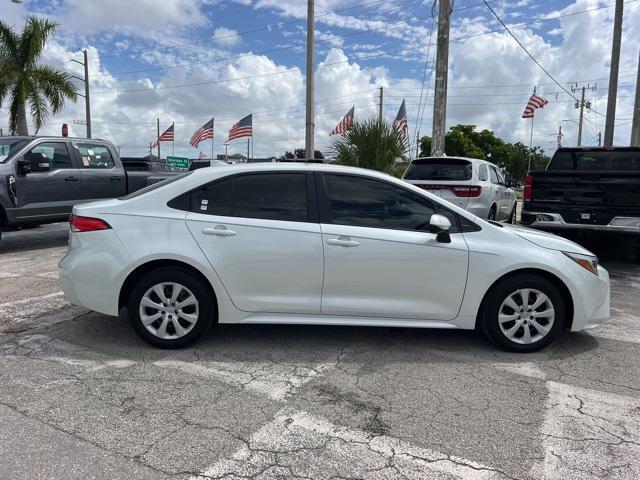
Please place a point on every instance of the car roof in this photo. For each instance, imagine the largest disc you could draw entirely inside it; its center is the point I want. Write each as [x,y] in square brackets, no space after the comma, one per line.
[444,157]
[287,167]
[51,137]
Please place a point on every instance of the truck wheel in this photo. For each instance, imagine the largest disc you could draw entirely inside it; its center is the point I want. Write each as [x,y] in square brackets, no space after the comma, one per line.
[522,313]
[171,308]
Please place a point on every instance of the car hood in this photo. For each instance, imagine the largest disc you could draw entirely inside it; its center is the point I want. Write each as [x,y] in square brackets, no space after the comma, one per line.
[548,240]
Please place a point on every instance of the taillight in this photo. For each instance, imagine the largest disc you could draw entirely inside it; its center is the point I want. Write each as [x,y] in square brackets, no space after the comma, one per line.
[87,224]
[528,188]
[472,192]
[458,190]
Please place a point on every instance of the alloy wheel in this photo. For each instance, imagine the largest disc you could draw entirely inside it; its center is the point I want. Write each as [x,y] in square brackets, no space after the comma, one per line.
[526,316]
[169,310]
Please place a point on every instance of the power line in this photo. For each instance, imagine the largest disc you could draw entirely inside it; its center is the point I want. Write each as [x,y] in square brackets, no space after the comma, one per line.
[534,58]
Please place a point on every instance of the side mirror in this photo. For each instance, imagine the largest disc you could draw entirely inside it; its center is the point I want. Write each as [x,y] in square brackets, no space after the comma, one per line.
[440,225]
[512,184]
[38,162]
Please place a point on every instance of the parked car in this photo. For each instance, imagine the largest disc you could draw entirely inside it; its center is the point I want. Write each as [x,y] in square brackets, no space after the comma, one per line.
[476,185]
[45,176]
[132,164]
[326,245]
[586,189]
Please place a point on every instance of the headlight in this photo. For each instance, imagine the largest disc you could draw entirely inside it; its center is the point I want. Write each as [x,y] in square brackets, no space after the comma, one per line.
[588,262]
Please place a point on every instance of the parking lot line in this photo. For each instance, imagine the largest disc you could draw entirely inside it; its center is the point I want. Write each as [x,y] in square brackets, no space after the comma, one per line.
[275,380]
[296,444]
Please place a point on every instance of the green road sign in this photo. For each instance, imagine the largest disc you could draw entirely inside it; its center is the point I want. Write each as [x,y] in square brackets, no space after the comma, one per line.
[178,162]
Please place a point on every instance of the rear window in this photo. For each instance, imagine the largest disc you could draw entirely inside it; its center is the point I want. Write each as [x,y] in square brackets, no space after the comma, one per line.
[625,161]
[439,169]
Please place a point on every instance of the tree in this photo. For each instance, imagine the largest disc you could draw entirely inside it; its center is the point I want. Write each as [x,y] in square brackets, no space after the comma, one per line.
[465,141]
[301,154]
[370,144]
[26,82]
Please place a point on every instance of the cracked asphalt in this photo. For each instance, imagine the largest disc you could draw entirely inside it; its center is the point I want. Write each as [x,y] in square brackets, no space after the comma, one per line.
[82,397]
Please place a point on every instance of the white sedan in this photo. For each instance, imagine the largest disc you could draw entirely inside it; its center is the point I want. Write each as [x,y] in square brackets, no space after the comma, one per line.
[324,245]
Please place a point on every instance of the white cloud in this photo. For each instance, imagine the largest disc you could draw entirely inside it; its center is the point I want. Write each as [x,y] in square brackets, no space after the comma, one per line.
[226,37]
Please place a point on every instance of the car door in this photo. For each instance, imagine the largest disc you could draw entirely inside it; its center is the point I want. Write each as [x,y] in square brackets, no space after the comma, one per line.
[261,235]
[101,178]
[502,195]
[50,194]
[380,259]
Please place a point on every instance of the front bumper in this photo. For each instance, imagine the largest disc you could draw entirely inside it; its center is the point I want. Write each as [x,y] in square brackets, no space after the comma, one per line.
[591,298]
[544,220]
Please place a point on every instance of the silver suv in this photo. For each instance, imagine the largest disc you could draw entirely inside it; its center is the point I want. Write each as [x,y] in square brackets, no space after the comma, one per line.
[475,185]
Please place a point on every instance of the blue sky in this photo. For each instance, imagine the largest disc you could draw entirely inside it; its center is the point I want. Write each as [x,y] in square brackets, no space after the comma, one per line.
[188,60]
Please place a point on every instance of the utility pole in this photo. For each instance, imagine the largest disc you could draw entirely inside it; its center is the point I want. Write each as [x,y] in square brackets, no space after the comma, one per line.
[613,76]
[581,118]
[599,139]
[381,97]
[442,71]
[635,125]
[310,125]
[87,101]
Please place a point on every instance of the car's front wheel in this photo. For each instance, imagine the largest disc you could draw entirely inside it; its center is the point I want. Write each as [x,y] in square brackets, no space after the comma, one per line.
[170,308]
[523,313]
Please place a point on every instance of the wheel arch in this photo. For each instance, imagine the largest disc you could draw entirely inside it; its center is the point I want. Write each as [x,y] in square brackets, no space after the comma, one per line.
[550,277]
[151,265]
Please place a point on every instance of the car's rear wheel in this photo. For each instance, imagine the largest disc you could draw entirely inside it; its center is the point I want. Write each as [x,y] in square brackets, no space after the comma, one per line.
[492,213]
[171,308]
[523,313]
[512,216]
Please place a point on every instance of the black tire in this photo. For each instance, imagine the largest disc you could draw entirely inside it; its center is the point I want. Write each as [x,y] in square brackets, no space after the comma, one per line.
[492,213]
[512,216]
[206,307]
[488,318]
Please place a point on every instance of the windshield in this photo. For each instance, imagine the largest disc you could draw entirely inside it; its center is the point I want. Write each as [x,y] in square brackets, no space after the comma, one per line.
[439,169]
[9,146]
[154,186]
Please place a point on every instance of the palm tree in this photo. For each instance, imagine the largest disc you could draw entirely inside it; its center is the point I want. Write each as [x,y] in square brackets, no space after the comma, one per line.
[370,144]
[24,82]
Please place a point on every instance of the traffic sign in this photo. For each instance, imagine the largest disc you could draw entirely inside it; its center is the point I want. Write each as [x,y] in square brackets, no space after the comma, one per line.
[178,162]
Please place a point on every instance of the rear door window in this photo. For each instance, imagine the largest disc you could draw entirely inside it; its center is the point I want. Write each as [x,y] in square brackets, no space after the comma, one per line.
[448,169]
[270,196]
[94,156]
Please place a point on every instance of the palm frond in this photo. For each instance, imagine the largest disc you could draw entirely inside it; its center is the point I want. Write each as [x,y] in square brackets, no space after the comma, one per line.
[55,85]
[9,41]
[370,144]
[39,109]
[33,39]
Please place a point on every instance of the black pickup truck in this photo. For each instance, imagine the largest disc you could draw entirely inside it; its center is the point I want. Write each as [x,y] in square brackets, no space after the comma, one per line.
[42,178]
[590,189]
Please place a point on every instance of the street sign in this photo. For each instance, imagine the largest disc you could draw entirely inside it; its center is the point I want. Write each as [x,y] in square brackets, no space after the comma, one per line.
[178,162]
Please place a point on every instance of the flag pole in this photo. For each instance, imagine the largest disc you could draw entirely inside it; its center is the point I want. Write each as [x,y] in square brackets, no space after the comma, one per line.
[248,143]
[173,143]
[213,120]
[533,116]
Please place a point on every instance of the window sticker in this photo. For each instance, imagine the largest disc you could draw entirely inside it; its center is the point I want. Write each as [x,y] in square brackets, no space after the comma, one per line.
[204,204]
[85,161]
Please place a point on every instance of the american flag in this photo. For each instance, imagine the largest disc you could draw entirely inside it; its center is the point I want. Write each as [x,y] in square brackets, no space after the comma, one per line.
[534,102]
[400,123]
[244,128]
[167,136]
[203,133]
[345,123]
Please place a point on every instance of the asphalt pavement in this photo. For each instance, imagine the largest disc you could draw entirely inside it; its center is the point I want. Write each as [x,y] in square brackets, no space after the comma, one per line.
[81,397]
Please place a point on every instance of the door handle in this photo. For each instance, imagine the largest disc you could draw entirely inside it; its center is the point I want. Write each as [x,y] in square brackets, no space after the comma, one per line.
[342,242]
[116,178]
[220,231]
[71,179]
